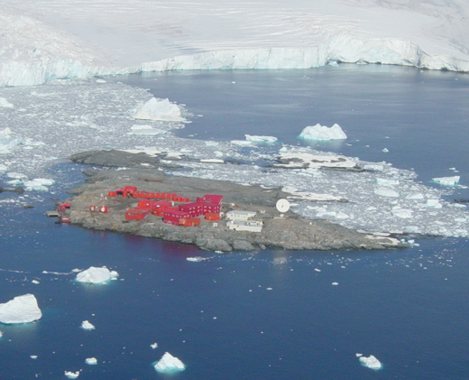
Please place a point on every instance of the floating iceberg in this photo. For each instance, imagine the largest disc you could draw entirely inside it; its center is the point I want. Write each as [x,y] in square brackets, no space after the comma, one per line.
[447,181]
[1,334]
[159,110]
[21,309]
[261,140]
[369,362]
[154,346]
[87,325]
[96,275]
[5,103]
[91,361]
[320,132]
[72,375]
[169,364]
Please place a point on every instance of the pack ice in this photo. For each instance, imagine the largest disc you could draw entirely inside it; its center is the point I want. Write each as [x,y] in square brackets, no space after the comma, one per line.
[21,309]
[169,364]
[96,275]
[320,132]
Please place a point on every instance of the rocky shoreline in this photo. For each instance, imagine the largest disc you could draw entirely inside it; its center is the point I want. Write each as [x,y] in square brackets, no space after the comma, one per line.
[283,231]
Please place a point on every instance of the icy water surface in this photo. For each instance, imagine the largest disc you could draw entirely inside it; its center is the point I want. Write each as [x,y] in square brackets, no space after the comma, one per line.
[267,315]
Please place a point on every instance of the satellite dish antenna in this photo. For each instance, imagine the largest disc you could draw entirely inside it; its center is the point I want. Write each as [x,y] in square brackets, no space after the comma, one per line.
[282,205]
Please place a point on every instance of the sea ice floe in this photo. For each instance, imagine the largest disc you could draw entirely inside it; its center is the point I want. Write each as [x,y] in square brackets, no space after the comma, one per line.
[447,181]
[33,357]
[433,203]
[261,140]
[1,333]
[320,132]
[71,374]
[87,325]
[38,184]
[369,361]
[386,192]
[169,364]
[159,110]
[97,275]
[7,141]
[4,103]
[145,130]
[21,309]
[196,259]
[91,361]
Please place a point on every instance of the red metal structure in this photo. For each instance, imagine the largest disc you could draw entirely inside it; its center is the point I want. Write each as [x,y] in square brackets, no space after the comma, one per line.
[162,204]
[135,214]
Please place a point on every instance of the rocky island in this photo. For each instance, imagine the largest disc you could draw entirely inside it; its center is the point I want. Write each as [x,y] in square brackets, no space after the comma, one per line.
[277,230]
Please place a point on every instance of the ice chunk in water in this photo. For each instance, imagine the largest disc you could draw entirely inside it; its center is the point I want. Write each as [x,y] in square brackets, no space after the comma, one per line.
[87,325]
[447,181]
[320,132]
[5,103]
[91,361]
[370,362]
[261,140]
[386,192]
[21,309]
[38,184]
[169,364]
[72,375]
[159,110]
[96,275]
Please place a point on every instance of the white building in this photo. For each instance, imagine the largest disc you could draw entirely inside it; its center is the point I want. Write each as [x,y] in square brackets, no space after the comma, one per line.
[239,215]
[245,225]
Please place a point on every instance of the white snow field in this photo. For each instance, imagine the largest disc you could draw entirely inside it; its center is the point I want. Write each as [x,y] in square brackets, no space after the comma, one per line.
[96,275]
[21,309]
[46,39]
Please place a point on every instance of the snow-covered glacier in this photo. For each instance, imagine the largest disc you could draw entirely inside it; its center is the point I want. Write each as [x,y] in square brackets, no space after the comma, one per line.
[94,38]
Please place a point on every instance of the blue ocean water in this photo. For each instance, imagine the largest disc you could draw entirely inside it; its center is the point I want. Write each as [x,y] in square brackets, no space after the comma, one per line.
[273,314]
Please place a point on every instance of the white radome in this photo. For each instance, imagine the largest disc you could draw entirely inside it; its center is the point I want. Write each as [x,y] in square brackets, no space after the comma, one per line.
[282,205]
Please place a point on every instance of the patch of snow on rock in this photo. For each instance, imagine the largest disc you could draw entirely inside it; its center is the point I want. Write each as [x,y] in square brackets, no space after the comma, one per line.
[96,275]
[169,364]
[320,132]
[21,309]
[159,110]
